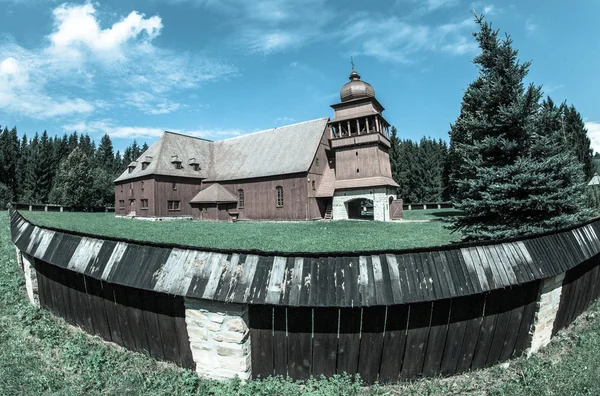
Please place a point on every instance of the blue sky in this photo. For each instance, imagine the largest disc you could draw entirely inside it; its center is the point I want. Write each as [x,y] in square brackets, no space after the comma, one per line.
[218,69]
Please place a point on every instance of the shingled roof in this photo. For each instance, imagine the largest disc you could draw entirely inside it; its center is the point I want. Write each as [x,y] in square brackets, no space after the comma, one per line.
[170,148]
[215,193]
[278,151]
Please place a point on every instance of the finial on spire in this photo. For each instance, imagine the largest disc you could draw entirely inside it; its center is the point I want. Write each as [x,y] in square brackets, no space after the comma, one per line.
[352,63]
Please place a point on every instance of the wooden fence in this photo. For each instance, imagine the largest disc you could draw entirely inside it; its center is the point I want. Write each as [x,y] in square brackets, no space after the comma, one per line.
[137,319]
[382,315]
[395,342]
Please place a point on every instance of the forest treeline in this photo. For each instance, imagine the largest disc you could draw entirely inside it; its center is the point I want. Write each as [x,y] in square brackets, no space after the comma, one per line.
[69,170]
[424,168]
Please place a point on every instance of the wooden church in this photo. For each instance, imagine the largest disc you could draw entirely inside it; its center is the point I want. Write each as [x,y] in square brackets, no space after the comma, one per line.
[319,169]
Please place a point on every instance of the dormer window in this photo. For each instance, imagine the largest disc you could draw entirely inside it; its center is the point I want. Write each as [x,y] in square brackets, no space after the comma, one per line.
[146,162]
[194,164]
[131,166]
[176,161]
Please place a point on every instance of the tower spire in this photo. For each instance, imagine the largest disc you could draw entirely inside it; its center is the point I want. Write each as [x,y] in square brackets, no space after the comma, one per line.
[352,63]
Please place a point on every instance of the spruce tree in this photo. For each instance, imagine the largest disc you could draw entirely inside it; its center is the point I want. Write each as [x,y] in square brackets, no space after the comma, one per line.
[504,177]
[577,139]
[43,169]
[74,184]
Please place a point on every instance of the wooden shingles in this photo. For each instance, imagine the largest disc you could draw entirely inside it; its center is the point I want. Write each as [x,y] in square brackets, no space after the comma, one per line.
[348,280]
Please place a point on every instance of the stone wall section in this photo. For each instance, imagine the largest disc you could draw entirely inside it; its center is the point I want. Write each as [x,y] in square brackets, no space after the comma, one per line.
[547,308]
[219,338]
[379,195]
[31,283]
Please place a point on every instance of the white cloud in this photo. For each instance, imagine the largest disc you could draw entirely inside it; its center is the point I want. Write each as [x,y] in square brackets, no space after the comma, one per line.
[271,26]
[83,57]
[435,4]
[392,39]
[593,128]
[19,94]
[530,26]
[489,10]
[115,130]
[77,32]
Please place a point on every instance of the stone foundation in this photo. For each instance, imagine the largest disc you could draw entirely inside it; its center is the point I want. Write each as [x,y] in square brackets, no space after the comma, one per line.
[379,195]
[31,284]
[547,307]
[219,338]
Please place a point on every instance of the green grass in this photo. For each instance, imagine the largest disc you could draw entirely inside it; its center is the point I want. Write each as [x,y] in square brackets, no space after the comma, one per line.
[306,236]
[40,354]
[430,214]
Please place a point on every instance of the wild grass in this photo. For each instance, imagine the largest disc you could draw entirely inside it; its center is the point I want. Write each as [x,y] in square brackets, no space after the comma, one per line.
[40,354]
[306,236]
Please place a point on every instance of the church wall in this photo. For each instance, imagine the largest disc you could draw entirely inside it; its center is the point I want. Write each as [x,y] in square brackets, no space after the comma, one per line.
[361,162]
[260,197]
[135,190]
[186,190]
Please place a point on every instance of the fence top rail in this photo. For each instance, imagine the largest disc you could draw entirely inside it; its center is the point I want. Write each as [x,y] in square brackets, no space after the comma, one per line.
[343,279]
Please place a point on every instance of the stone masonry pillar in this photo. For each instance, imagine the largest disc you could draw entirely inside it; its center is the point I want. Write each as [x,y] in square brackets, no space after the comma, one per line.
[219,338]
[547,307]
[31,283]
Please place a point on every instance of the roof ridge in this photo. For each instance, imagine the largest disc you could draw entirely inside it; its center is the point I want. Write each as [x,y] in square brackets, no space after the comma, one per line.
[188,136]
[271,129]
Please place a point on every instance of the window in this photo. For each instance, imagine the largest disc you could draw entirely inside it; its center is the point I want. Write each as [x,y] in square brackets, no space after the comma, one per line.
[240,198]
[178,165]
[317,162]
[174,187]
[313,185]
[142,185]
[131,168]
[132,202]
[279,196]
[196,167]
[144,203]
[121,204]
[144,165]
[173,205]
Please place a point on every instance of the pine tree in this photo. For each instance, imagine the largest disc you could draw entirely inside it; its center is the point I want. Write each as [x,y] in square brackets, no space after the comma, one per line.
[104,154]
[74,184]
[504,180]
[395,154]
[577,139]
[43,169]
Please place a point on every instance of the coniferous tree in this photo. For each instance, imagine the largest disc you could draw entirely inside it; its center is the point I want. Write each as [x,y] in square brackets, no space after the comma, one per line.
[42,169]
[577,139]
[505,149]
[104,154]
[74,185]
[395,154]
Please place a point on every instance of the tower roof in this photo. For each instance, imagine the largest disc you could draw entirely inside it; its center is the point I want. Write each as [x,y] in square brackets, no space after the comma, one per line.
[356,88]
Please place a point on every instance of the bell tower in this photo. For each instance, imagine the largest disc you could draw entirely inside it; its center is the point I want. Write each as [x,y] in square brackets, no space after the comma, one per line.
[359,140]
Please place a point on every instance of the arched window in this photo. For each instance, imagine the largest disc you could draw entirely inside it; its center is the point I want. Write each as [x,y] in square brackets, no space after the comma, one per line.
[240,198]
[279,196]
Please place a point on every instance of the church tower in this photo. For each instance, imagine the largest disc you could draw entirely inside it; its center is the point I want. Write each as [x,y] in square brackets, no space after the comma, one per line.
[359,140]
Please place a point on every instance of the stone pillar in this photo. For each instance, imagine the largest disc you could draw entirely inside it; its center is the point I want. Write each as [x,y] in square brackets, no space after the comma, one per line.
[219,338]
[547,307]
[31,284]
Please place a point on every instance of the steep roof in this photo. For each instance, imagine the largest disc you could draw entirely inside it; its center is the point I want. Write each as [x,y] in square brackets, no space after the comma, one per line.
[168,148]
[213,194]
[278,151]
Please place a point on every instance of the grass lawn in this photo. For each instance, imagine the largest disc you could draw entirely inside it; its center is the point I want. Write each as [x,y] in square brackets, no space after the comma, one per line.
[306,236]
[430,214]
[41,354]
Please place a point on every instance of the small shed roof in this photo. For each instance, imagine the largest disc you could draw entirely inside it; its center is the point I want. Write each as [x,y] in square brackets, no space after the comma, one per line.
[215,193]
[365,182]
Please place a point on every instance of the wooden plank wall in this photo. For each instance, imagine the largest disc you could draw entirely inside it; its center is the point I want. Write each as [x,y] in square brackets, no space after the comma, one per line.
[139,320]
[386,344]
[581,287]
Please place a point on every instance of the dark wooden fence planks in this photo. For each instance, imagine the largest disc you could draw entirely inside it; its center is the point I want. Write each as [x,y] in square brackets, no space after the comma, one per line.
[138,320]
[385,344]
[578,292]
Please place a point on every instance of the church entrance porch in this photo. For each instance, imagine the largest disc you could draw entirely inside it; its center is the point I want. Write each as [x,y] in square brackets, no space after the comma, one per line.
[360,209]
[363,204]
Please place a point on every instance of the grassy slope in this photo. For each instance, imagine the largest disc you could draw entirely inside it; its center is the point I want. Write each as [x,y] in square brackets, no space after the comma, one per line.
[316,236]
[40,354]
